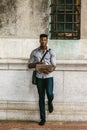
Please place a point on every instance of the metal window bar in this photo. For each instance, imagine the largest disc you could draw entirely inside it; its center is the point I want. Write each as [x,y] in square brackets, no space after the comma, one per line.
[72,31]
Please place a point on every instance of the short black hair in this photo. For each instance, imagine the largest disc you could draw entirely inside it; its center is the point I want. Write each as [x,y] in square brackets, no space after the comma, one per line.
[43,35]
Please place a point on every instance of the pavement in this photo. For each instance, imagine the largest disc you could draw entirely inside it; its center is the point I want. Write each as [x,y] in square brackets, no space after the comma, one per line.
[31,125]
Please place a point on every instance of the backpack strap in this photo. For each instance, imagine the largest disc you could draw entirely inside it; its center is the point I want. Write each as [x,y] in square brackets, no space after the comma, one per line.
[44,55]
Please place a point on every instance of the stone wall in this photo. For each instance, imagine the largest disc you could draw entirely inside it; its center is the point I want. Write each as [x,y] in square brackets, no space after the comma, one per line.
[83,19]
[19,98]
[21,48]
[23,18]
[29,18]
[21,23]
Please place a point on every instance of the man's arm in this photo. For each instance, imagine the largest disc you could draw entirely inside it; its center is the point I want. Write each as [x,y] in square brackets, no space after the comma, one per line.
[52,69]
[33,65]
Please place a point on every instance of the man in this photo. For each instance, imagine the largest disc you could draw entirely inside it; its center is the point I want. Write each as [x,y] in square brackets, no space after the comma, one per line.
[44,76]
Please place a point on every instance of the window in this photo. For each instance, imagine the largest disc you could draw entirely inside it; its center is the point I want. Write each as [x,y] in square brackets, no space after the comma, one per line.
[65,19]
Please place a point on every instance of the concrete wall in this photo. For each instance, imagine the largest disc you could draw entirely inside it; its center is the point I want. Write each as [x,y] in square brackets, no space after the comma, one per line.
[20,25]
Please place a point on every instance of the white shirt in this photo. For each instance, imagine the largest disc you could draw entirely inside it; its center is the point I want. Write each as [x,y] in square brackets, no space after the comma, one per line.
[49,59]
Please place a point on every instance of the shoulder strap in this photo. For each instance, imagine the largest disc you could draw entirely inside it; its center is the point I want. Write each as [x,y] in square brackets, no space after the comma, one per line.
[44,54]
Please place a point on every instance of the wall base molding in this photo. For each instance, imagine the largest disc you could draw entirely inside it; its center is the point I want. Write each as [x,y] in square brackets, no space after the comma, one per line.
[28,111]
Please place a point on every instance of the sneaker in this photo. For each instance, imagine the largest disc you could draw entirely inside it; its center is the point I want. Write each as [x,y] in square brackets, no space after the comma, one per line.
[50,107]
[42,122]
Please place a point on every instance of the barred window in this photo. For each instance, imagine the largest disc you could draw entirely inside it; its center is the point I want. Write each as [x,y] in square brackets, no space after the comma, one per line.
[65,19]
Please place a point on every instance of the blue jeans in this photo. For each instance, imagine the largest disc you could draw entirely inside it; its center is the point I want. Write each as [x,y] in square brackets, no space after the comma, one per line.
[42,86]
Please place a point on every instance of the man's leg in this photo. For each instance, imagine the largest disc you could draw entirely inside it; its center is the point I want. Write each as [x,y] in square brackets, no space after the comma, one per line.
[41,92]
[49,91]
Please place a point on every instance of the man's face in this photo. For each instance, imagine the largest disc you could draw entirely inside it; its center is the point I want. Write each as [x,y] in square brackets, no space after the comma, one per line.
[43,42]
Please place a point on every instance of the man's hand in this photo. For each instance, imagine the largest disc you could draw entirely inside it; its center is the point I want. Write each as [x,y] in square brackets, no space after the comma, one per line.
[52,69]
[47,71]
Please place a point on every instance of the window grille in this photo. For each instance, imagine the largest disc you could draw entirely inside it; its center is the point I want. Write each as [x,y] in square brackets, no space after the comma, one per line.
[65,19]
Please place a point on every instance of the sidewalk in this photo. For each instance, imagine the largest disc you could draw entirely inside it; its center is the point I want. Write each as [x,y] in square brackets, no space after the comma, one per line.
[20,125]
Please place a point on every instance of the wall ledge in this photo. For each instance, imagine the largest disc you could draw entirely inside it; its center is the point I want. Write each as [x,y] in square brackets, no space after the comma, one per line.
[25,61]
[21,64]
[72,62]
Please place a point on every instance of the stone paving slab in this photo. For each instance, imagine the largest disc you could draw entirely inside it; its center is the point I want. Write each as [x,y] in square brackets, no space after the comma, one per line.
[44,129]
[33,129]
[48,126]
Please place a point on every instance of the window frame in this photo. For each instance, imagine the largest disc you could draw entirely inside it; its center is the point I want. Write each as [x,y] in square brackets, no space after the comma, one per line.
[58,28]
